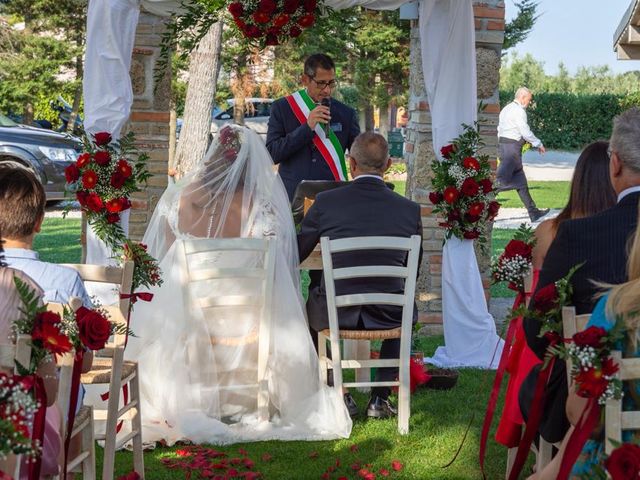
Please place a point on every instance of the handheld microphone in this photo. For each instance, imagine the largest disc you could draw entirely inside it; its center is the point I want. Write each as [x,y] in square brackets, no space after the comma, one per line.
[326,102]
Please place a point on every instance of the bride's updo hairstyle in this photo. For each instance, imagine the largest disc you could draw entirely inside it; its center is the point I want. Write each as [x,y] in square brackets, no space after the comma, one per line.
[225,150]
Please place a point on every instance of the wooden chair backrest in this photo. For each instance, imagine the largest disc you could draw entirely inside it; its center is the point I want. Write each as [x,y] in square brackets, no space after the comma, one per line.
[617,420]
[20,352]
[572,324]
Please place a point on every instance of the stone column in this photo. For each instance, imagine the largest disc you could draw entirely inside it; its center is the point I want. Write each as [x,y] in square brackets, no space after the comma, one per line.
[489,24]
[149,118]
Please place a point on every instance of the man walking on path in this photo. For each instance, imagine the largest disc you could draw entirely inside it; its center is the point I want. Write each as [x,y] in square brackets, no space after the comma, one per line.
[513,132]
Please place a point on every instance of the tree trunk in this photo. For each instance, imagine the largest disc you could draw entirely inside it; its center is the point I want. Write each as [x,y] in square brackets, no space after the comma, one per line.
[204,66]
[77,97]
[369,123]
[384,120]
[27,114]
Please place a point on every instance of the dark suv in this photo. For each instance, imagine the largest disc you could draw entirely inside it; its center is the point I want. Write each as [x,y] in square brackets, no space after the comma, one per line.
[44,152]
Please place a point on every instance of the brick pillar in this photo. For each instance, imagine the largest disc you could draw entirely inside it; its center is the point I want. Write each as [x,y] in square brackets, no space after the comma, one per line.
[149,118]
[489,23]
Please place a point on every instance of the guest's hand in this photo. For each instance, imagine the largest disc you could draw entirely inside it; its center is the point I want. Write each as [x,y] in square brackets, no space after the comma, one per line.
[320,114]
[542,150]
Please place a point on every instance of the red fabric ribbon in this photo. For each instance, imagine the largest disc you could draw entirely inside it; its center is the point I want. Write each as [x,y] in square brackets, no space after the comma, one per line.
[73,402]
[125,395]
[144,296]
[588,422]
[497,382]
[37,433]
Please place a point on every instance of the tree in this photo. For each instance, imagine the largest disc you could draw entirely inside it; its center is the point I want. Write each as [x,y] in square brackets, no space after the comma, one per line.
[526,71]
[518,29]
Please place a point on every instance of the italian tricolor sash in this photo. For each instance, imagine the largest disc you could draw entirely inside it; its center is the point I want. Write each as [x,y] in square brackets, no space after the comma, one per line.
[328,145]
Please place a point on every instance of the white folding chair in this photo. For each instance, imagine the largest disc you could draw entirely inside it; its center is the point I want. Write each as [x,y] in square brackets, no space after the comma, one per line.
[616,420]
[334,334]
[110,368]
[85,460]
[203,270]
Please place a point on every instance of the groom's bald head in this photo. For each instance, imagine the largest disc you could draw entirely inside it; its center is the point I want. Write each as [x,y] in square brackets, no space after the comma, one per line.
[370,153]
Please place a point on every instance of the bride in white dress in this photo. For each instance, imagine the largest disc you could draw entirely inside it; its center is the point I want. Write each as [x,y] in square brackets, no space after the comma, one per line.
[232,192]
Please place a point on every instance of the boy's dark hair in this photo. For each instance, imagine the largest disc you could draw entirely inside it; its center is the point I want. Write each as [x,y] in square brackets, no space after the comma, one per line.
[22,202]
[316,60]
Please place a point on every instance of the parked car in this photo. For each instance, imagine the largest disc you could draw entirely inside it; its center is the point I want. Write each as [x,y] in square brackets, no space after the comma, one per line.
[46,153]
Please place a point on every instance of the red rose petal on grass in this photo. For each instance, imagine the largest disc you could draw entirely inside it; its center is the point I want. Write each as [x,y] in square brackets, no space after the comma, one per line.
[355,466]
[183,453]
[325,476]
[248,464]
[314,455]
[353,448]
[384,472]
[343,478]
[370,476]
[397,465]
[267,457]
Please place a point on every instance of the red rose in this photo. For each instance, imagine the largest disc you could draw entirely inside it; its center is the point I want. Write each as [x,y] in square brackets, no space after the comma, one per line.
[476,209]
[471,163]
[102,138]
[435,197]
[592,383]
[271,39]
[102,157]
[89,179]
[450,195]
[454,215]
[131,476]
[281,20]
[486,185]
[82,197]
[117,180]
[310,5]
[294,32]
[307,20]
[471,218]
[546,298]
[124,168]
[591,337]
[113,217]
[125,204]
[236,9]
[624,462]
[93,328]
[493,209]
[261,17]
[290,6]
[94,202]
[517,247]
[471,234]
[267,6]
[83,160]
[470,187]
[447,150]
[252,31]
[71,173]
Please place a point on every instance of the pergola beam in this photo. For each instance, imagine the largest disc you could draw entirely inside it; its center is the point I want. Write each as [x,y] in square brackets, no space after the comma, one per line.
[626,40]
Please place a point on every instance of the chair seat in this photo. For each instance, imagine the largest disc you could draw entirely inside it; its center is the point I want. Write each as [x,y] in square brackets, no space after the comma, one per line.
[101,371]
[366,334]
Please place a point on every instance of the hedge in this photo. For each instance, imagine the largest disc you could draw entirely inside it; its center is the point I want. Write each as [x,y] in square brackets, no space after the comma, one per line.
[569,122]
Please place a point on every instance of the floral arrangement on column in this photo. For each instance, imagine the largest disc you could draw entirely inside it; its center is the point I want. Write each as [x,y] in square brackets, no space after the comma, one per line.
[516,261]
[272,22]
[102,180]
[462,187]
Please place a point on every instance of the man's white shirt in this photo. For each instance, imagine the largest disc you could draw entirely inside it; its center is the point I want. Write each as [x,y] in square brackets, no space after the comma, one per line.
[513,124]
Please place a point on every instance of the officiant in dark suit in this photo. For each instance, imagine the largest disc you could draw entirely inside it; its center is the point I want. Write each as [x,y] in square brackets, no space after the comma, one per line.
[364,207]
[600,243]
[309,131]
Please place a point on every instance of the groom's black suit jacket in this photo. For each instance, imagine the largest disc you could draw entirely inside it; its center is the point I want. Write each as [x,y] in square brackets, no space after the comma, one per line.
[602,243]
[290,143]
[364,207]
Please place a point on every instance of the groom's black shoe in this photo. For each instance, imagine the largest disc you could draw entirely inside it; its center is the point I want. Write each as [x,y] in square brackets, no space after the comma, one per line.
[351,404]
[380,408]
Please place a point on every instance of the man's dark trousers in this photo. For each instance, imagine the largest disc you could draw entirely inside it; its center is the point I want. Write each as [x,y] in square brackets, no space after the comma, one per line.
[510,174]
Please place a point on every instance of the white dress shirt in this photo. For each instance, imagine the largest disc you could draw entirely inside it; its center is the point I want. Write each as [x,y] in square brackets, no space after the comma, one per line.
[513,124]
[627,191]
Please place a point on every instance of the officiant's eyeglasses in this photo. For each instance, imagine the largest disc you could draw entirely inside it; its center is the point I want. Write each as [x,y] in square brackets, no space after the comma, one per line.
[322,84]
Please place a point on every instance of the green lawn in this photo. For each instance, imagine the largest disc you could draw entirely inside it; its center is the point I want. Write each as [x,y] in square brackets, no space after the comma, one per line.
[59,241]
[545,194]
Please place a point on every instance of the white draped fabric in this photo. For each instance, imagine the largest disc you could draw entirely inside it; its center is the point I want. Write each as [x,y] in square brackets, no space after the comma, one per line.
[469,329]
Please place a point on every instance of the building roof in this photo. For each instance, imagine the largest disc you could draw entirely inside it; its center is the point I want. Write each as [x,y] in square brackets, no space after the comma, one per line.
[626,40]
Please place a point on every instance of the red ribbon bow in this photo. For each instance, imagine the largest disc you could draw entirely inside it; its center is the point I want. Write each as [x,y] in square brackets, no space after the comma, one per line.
[144,296]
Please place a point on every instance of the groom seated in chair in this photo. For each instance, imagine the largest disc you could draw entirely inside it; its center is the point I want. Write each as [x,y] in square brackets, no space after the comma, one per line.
[363,208]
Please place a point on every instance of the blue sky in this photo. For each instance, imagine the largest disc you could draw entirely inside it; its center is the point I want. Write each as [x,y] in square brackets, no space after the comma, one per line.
[577,32]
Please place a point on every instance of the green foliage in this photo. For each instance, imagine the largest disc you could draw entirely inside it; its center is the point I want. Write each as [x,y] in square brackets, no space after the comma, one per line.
[518,29]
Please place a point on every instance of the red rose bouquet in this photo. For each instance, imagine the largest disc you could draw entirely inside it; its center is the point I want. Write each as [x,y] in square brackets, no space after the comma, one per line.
[17,411]
[462,187]
[272,22]
[516,260]
[622,464]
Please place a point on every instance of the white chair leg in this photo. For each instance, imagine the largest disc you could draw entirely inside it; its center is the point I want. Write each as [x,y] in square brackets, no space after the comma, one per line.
[136,425]
[511,458]
[89,445]
[336,360]
[404,406]
[545,453]
[363,352]
[322,356]
[108,461]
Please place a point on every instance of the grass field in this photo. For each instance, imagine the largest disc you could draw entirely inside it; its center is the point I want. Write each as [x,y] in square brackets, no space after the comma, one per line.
[545,194]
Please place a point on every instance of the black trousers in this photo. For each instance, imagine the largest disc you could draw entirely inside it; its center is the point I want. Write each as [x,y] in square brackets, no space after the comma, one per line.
[510,174]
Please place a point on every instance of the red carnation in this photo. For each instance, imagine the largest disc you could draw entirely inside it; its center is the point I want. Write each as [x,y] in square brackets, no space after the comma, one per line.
[102,158]
[89,179]
[546,299]
[470,187]
[290,6]
[236,9]
[624,462]
[591,337]
[593,382]
[486,185]
[307,20]
[71,173]
[435,197]
[47,330]
[124,168]
[94,202]
[471,234]
[102,138]
[471,218]
[261,17]
[281,20]
[294,32]
[493,209]
[114,205]
[310,5]
[267,6]
[471,163]
[517,247]
[453,216]
[83,160]
[117,180]
[93,328]
[450,195]
[271,39]
[252,31]
[447,150]
[476,209]
[113,217]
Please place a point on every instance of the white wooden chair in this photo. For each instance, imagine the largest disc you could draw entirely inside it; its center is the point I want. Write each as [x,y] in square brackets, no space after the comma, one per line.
[9,354]
[110,368]
[615,420]
[201,254]
[405,300]
[85,460]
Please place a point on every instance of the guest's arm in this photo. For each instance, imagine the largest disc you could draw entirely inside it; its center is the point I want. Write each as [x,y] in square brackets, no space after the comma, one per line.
[309,234]
[280,144]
